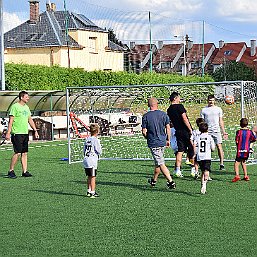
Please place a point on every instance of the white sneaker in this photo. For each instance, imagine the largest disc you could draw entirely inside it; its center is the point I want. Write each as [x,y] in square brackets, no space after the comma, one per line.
[193,172]
[203,189]
[178,174]
[197,175]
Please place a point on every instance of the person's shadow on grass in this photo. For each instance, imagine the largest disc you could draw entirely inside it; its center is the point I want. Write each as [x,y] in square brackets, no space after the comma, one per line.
[139,187]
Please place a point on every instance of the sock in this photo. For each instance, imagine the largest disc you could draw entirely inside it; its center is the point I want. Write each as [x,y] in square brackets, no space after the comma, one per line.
[92,192]
[177,169]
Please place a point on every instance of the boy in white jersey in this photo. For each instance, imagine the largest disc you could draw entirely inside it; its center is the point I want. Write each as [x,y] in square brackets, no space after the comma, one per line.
[204,146]
[213,116]
[92,151]
[195,134]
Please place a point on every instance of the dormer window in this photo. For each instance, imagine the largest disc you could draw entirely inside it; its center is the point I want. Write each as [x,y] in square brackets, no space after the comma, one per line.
[34,37]
[11,39]
[228,52]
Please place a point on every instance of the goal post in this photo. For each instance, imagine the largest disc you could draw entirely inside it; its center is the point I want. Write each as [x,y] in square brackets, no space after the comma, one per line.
[119,109]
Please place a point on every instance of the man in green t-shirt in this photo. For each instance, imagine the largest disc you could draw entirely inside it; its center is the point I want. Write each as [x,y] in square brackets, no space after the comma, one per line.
[18,131]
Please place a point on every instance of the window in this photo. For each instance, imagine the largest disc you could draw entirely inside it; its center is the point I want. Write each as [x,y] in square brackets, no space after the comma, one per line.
[195,65]
[34,37]
[11,39]
[228,52]
[92,44]
[165,65]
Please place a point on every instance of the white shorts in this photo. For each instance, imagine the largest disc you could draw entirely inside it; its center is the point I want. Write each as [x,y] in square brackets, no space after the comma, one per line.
[217,138]
[158,155]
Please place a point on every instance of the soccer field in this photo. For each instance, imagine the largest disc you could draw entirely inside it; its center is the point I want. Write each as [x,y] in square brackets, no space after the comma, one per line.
[49,214]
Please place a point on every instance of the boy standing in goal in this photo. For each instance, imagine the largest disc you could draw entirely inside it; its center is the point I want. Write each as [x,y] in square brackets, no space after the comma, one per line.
[244,138]
[156,129]
[204,146]
[92,151]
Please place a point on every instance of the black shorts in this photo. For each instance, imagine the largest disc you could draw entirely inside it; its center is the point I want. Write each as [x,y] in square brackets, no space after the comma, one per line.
[205,165]
[239,159]
[20,143]
[91,172]
[184,143]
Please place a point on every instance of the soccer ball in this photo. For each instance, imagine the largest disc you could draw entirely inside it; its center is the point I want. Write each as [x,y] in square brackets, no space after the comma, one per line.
[229,99]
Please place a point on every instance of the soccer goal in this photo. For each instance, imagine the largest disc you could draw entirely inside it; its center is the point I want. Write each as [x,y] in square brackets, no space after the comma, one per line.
[119,109]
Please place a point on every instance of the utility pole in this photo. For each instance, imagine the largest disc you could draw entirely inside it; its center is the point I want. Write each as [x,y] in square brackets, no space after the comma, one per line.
[67,31]
[185,40]
[203,52]
[2,73]
[150,37]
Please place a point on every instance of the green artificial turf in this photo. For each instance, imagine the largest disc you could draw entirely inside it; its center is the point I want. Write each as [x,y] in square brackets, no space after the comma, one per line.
[50,215]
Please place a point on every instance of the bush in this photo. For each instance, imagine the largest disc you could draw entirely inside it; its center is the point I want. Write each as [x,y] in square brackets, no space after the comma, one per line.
[38,77]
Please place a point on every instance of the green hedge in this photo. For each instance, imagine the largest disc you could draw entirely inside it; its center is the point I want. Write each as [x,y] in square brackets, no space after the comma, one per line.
[37,77]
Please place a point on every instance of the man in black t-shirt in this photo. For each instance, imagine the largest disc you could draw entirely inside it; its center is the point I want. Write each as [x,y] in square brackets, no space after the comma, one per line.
[180,121]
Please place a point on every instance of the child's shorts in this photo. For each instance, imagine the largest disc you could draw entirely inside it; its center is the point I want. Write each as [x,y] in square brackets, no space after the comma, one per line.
[91,172]
[239,159]
[205,165]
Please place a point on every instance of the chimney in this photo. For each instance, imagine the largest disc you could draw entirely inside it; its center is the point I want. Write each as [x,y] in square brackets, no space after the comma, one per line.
[34,10]
[160,44]
[132,45]
[253,47]
[53,7]
[48,5]
[221,43]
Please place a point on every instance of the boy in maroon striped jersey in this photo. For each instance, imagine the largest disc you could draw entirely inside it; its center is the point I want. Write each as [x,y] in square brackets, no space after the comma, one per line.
[244,138]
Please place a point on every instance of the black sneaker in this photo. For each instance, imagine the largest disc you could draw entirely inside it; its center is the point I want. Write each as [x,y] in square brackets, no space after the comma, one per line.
[94,195]
[11,174]
[26,174]
[152,182]
[171,185]
[222,167]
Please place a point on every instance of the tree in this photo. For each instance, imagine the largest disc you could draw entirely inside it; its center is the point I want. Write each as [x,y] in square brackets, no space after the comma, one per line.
[232,71]
[112,37]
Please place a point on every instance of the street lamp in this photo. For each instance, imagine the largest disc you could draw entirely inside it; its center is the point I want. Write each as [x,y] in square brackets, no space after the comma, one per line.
[184,40]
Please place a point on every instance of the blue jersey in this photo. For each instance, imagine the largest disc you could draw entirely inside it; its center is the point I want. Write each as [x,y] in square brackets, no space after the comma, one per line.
[155,122]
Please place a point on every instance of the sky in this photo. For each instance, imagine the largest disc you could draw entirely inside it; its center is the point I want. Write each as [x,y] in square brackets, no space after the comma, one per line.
[167,20]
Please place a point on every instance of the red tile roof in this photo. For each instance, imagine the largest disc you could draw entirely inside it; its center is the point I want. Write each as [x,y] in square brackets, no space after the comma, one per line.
[195,53]
[229,51]
[139,52]
[167,53]
[248,59]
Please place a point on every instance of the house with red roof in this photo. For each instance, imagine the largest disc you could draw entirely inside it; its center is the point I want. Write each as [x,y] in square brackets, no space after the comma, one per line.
[174,58]
[228,52]
[168,57]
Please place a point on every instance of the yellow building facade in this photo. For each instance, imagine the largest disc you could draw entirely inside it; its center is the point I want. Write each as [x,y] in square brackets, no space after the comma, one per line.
[42,40]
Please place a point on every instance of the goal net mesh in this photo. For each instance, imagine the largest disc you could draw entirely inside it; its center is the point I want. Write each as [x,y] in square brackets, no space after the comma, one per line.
[119,109]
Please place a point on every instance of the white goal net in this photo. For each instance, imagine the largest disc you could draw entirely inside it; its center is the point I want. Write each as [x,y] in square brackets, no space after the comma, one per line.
[118,110]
